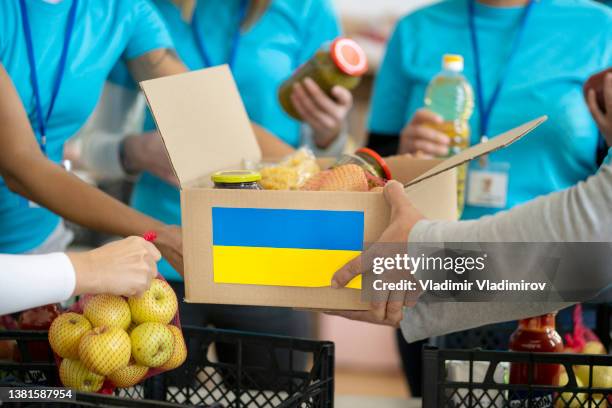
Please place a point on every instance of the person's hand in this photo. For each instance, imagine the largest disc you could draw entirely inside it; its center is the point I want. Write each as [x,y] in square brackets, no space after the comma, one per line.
[325,115]
[123,268]
[146,152]
[169,241]
[603,119]
[403,218]
[420,136]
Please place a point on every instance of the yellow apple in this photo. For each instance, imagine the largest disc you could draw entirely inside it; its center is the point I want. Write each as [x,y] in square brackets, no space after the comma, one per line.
[593,347]
[569,399]
[109,311]
[152,344]
[129,375]
[66,332]
[157,304]
[602,378]
[75,375]
[105,349]
[179,352]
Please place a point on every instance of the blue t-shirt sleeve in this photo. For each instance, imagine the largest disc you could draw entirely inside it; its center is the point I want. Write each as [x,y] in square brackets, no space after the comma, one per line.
[321,25]
[391,87]
[148,31]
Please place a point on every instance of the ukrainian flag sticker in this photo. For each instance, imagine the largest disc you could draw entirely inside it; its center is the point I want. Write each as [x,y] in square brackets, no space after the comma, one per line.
[283,247]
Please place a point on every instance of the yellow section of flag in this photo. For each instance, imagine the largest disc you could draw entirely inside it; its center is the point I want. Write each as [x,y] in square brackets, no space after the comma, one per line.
[311,268]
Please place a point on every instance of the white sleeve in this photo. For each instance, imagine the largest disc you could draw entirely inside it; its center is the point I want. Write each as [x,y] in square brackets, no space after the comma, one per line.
[119,113]
[34,280]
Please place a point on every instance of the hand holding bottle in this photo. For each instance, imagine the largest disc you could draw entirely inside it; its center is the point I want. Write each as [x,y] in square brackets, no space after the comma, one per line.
[420,135]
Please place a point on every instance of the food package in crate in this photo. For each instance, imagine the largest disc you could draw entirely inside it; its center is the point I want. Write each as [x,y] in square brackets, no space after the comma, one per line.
[107,341]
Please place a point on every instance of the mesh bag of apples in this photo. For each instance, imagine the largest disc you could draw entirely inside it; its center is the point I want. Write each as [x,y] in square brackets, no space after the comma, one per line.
[107,341]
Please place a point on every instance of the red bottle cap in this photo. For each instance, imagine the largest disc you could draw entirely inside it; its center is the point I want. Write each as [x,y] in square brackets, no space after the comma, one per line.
[348,56]
[381,162]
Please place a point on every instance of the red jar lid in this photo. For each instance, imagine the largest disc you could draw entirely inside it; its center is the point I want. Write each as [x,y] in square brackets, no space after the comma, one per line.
[381,162]
[348,56]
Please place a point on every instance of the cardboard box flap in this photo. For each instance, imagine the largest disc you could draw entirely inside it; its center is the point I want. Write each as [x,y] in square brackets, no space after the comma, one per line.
[202,121]
[481,149]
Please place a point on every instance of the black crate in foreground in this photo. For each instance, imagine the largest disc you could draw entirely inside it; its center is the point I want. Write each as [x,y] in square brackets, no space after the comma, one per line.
[480,377]
[277,380]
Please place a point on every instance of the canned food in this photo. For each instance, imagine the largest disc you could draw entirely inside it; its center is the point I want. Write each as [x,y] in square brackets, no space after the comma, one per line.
[342,63]
[237,180]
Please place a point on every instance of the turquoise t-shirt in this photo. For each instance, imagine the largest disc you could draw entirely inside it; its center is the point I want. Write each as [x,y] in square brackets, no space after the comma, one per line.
[104,32]
[285,37]
[564,42]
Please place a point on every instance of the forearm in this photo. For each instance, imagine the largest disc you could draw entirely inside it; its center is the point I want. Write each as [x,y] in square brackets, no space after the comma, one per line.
[156,64]
[34,280]
[51,186]
[271,146]
[119,113]
[579,214]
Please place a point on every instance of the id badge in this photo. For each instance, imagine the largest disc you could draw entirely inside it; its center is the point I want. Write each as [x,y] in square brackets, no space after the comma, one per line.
[488,185]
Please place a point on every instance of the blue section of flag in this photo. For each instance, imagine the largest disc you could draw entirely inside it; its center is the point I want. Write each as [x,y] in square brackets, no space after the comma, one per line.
[280,228]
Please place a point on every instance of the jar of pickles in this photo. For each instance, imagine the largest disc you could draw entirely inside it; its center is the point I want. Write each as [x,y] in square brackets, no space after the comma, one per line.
[237,180]
[341,63]
[368,160]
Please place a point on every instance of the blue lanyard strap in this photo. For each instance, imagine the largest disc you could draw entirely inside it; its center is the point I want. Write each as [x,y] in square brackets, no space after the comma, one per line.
[42,119]
[486,109]
[195,27]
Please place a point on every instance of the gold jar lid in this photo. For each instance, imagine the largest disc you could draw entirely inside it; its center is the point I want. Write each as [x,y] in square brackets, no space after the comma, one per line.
[236,176]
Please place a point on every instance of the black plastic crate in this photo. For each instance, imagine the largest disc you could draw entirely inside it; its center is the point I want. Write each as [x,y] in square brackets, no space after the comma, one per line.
[497,336]
[278,381]
[484,390]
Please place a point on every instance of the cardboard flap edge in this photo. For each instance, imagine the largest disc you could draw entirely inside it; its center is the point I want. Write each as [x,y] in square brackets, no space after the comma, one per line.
[479,150]
[196,103]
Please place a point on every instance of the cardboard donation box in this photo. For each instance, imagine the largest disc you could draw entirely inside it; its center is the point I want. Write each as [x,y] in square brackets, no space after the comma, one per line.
[275,248]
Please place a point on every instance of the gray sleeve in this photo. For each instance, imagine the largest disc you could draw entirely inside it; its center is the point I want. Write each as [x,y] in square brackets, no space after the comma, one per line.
[437,319]
[579,214]
[119,113]
[582,213]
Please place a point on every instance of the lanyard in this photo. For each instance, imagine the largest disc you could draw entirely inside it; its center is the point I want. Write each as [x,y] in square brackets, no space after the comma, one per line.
[486,109]
[41,119]
[206,60]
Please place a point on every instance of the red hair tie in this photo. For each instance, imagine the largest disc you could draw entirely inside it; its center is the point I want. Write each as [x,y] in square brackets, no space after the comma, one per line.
[150,236]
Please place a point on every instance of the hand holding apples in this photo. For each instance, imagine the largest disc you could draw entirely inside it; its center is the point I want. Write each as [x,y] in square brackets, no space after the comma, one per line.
[124,267]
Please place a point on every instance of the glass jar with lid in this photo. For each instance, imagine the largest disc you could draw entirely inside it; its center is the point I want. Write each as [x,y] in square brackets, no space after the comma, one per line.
[341,63]
[237,180]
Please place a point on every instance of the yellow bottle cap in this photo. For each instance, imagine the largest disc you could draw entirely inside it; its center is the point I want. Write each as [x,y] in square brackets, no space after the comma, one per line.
[453,62]
[236,176]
